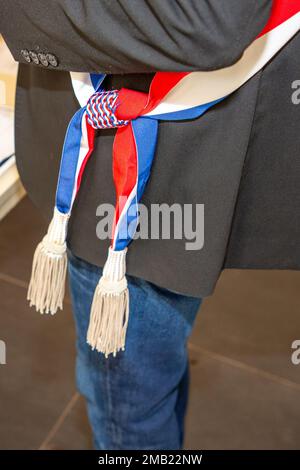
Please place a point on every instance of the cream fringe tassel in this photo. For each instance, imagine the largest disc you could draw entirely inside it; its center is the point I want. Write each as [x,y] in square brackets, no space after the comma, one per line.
[110,307]
[47,284]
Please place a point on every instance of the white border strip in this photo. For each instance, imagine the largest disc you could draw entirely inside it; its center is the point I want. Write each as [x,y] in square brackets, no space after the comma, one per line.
[82,86]
[199,88]
[84,148]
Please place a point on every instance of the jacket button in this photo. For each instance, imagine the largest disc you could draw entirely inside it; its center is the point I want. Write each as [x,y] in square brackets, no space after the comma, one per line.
[52,59]
[34,57]
[25,55]
[43,59]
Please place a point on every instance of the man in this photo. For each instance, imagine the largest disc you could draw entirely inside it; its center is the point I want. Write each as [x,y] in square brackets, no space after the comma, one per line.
[230,160]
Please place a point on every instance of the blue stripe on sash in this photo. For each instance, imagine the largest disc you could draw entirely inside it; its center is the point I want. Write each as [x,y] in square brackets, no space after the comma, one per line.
[68,165]
[145,133]
[191,113]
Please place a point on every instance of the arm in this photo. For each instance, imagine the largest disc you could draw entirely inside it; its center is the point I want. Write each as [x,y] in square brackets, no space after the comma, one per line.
[126,36]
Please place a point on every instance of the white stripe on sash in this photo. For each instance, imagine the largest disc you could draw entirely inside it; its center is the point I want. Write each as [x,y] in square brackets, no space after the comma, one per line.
[82,86]
[204,87]
[198,88]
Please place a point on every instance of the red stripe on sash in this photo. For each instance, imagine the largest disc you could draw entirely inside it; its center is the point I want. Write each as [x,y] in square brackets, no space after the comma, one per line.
[124,168]
[281,11]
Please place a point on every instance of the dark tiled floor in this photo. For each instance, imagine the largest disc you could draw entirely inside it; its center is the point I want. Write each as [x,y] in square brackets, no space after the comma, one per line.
[257,324]
[20,232]
[37,381]
[234,409]
[244,388]
[74,432]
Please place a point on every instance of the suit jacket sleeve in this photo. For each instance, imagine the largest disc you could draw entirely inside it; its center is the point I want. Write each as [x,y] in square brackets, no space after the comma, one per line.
[126,36]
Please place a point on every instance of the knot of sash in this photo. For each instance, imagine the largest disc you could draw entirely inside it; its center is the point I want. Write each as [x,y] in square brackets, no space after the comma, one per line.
[104,108]
[100,110]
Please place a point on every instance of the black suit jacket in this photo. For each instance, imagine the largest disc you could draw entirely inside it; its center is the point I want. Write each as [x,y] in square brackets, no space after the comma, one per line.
[241,159]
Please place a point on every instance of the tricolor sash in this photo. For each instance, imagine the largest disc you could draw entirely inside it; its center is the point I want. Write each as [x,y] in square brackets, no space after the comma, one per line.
[172,96]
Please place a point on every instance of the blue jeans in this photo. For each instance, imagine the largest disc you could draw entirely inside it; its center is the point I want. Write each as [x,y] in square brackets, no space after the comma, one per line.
[136,400]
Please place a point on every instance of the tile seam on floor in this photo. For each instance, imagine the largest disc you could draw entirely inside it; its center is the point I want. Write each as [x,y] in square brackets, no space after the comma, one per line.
[19,283]
[239,364]
[59,422]
[13,280]
[242,365]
